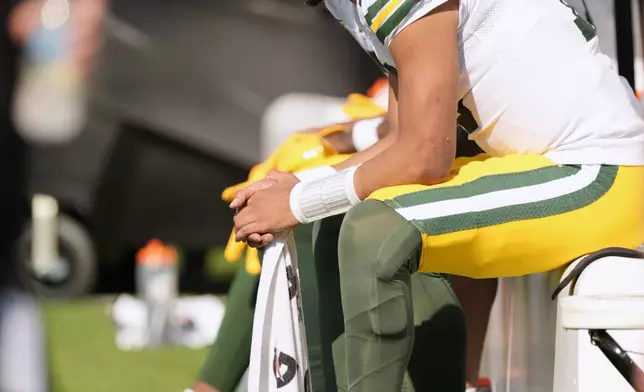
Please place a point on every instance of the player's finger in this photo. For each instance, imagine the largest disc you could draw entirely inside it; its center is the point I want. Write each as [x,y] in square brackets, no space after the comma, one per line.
[242,196]
[277,175]
[267,238]
[229,193]
[259,241]
[243,218]
[254,240]
[243,232]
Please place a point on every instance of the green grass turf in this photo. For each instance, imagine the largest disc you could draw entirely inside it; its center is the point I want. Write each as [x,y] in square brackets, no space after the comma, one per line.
[83,356]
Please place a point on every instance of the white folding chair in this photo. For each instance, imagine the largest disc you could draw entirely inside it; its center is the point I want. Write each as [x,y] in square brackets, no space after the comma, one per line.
[600,322]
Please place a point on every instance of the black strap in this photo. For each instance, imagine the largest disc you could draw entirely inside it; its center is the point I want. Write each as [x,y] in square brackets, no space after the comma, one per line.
[592,257]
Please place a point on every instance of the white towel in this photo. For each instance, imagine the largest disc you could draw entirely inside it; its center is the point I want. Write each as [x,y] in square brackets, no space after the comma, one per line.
[279,359]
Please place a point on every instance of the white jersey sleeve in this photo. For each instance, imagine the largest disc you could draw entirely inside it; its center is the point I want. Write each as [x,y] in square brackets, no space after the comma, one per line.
[344,12]
[387,18]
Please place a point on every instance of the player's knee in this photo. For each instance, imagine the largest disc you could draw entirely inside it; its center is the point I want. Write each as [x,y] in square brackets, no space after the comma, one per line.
[358,241]
[373,246]
[375,238]
[353,224]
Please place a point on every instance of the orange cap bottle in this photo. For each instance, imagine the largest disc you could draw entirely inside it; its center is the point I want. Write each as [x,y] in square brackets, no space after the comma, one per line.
[156,252]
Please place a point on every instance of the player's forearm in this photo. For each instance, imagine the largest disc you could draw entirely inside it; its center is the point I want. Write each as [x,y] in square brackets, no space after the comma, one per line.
[409,157]
[364,156]
[370,152]
[423,150]
[396,164]
[359,135]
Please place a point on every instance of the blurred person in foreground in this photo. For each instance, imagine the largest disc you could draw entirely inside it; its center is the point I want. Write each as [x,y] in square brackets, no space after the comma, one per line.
[22,353]
[564,145]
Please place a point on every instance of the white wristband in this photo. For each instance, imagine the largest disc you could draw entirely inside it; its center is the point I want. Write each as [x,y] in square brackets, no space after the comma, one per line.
[332,195]
[315,173]
[365,133]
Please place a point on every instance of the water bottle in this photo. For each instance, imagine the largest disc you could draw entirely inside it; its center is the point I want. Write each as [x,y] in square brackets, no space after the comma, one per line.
[50,100]
[157,285]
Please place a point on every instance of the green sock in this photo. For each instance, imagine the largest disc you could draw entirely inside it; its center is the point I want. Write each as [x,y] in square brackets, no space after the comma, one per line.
[310,301]
[229,355]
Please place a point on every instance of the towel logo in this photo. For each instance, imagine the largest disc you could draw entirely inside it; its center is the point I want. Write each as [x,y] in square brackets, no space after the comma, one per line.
[293,290]
[307,381]
[281,359]
[292,283]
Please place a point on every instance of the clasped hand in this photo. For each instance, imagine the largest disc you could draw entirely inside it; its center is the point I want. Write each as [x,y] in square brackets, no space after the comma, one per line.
[263,209]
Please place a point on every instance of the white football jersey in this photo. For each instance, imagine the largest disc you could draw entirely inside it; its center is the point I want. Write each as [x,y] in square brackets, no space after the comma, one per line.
[530,73]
